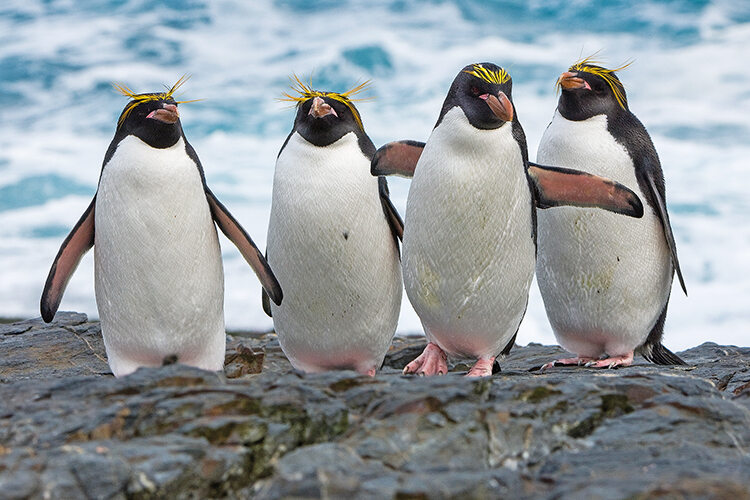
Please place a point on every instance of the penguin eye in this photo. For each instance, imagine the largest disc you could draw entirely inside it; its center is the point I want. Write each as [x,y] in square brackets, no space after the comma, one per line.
[474,91]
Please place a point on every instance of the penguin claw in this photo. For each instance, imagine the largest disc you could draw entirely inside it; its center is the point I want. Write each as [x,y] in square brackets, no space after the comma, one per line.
[482,368]
[577,361]
[612,362]
[432,361]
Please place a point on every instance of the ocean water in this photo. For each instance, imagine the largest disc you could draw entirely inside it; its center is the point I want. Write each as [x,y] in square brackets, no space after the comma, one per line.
[689,84]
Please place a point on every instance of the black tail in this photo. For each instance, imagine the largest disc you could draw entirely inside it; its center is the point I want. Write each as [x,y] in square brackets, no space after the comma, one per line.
[662,356]
[170,360]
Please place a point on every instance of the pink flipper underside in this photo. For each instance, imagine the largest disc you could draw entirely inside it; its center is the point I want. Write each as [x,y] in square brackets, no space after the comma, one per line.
[432,361]
[482,368]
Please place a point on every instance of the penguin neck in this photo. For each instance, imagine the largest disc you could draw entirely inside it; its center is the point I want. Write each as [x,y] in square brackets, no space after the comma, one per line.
[159,135]
[576,106]
[329,137]
[462,133]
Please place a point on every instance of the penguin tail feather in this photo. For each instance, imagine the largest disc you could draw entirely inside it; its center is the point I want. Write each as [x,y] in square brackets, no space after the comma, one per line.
[660,355]
[170,360]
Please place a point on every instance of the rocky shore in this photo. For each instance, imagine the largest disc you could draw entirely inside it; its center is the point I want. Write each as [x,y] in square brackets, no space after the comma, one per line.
[68,429]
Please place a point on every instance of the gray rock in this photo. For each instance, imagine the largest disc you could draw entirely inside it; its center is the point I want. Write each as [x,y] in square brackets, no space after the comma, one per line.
[68,429]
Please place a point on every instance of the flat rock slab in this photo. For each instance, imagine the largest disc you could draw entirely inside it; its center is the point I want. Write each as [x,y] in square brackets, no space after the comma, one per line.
[69,429]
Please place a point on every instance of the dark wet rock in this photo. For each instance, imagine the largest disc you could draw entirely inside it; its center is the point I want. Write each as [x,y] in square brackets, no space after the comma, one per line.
[68,429]
[69,346]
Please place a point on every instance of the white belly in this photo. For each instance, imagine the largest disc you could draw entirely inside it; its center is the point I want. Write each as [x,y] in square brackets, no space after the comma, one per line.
[604,277]
[332,251]
[159,278]
[468,254]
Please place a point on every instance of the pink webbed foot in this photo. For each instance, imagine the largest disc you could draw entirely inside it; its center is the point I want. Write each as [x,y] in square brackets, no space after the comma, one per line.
[370,373]
[432,361]
[612,362]
[578,361]
[482,368]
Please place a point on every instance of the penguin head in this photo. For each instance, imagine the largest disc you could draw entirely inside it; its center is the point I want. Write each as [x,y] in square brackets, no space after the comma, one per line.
[325,117]
[589,89]
[153,118]
[483,92]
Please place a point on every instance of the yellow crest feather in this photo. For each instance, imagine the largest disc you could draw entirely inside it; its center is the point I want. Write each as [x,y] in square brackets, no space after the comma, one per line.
[500,76]
[346,98]
[137,99]
[594,67]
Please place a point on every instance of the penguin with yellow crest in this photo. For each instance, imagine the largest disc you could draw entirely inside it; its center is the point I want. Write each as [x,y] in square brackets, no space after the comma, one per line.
[158,273]
[333,239]
[605,280]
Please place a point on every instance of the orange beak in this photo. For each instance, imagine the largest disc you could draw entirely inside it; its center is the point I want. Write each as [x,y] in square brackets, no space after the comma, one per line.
[570,81]
[500,105]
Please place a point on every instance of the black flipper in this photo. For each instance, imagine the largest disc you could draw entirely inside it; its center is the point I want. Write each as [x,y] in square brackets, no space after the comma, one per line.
[653,350]
[631,133]
[391,214]
[237,235]
[661,212]
[397,158]
[557,186]
[510,345]
[264,299]
[266,302]
[506,350]
[78,242]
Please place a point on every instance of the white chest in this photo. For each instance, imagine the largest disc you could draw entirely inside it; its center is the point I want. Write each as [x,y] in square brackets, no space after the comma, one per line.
[332,251]
[148,194]
[468,254]
[327,179]
[138,172]
[604,277]
[159,278]
[587,145]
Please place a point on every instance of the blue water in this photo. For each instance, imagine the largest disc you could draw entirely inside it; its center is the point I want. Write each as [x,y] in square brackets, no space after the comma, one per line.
[689,84]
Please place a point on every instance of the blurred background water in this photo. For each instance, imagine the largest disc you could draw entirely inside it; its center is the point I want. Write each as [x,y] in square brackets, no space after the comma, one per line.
[689,84]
